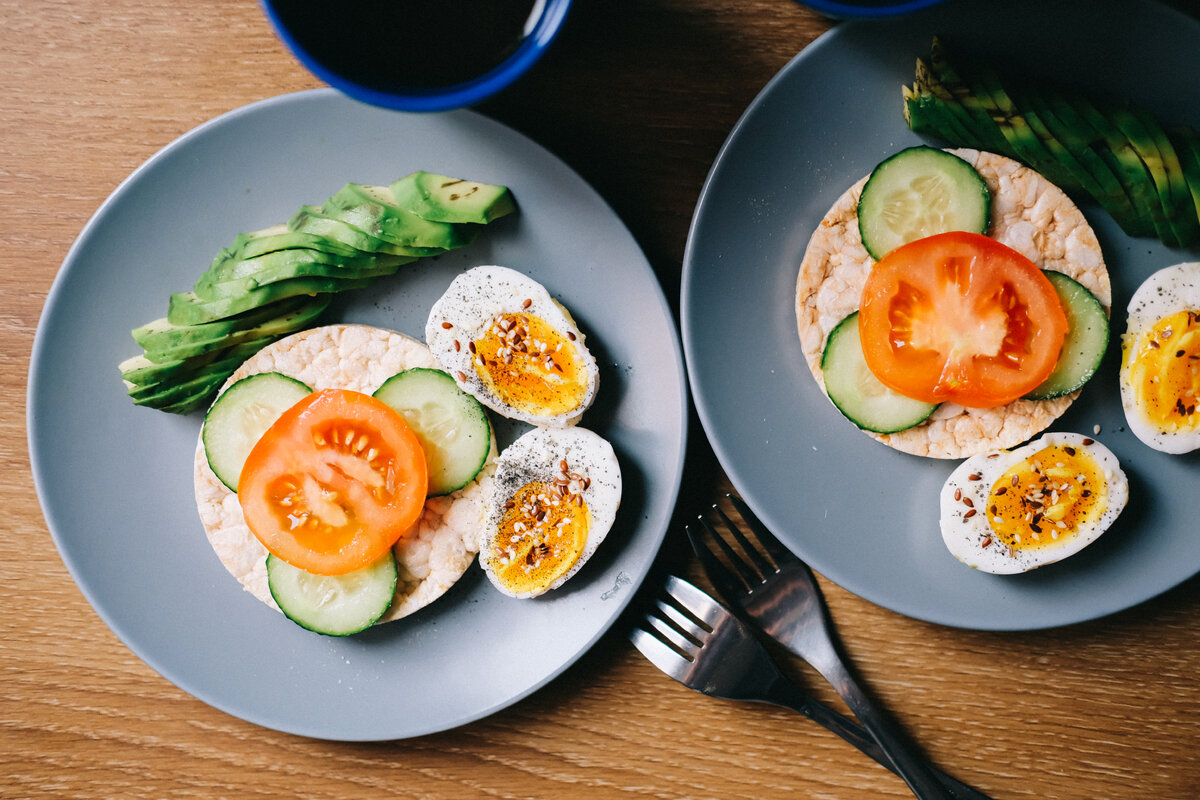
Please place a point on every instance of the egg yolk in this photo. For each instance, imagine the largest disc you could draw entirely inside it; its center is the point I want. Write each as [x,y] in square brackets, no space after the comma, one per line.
[542,533]
[1044,500]
[531,366]
[1162,366]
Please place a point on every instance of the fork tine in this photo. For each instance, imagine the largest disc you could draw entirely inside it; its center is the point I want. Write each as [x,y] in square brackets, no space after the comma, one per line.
[672,637]
[683,622]
[768,541]
[755,552]
[728,582]
[659,653]
[693,601]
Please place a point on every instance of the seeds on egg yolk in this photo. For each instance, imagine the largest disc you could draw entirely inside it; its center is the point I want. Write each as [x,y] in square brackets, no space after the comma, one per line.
[541,535]
[530,365]
[1046,499]
[1163,370]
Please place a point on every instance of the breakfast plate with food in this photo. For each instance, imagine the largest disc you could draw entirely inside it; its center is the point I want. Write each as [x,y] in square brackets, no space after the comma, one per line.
[366,452]
[941,312]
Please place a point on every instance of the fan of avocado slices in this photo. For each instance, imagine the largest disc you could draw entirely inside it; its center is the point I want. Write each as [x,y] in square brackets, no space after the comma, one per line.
[277,281]
[1144,174]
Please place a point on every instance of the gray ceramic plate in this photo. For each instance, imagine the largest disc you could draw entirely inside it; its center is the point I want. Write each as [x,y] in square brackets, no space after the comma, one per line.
[115,480]
[858,512]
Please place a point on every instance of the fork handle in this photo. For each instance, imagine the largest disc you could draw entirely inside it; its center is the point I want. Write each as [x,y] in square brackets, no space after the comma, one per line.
[786,694]
[916,773]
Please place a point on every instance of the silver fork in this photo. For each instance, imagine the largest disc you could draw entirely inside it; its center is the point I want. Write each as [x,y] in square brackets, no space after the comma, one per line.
[694,639]
[777,592]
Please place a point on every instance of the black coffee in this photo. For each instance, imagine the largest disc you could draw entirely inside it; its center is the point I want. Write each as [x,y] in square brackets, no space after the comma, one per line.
[395,45]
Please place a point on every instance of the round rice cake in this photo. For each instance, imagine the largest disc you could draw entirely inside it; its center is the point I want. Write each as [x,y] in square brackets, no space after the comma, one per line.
[1030,215]
[435,552]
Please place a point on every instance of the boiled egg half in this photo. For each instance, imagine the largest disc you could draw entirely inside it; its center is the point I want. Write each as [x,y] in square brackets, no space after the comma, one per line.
[511,345]
[555,497]
[1015,510]
[1160,360]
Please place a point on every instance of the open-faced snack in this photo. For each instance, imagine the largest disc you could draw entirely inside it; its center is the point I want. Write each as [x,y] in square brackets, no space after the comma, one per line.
[1027,214]
[435,552]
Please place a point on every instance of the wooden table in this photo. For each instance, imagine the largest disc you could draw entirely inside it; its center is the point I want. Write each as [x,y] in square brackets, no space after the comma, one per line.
[636,96]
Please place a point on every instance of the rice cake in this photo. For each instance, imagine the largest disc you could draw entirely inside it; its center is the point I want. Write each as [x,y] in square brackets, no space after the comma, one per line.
[435,552]
[1030,215]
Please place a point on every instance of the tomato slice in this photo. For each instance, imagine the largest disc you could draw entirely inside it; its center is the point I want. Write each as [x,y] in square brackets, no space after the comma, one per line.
[334,482]
[960,317]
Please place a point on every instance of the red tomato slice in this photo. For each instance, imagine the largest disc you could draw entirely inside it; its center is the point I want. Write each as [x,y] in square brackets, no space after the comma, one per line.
[334,482]
[960,317]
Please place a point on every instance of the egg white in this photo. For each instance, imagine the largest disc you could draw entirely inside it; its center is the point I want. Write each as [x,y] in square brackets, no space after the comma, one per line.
[466,310]
[964,524]
[1168,291]
[538,455]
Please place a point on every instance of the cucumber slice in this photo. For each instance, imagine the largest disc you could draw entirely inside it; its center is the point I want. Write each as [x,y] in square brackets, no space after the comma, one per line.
[452,425]
[241,415]
[856,391]
[1086,342]
[918,192]
[335,605]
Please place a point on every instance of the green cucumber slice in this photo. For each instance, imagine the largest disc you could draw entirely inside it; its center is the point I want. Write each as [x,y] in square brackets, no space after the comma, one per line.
[918,192]
[241,415]
[1086,342]
[334,605]
[855,390]
[452,425]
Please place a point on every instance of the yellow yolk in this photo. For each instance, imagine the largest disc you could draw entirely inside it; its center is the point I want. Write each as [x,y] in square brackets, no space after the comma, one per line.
[1163,368]
[530,366]
[1044,500]
[543,530]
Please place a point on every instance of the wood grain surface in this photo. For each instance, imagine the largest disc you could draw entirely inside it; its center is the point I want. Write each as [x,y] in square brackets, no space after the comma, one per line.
[637,96]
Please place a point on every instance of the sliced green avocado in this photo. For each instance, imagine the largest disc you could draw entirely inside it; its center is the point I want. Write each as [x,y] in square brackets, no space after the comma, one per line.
[187,308]
[198,386]
[1075,146]
[141,373]
[234,276]
[444,199]
[1187,145]
[280,237]
[372,209]
[314,220]
[1178,201]
[932,101]
[289,316]
[1127,164]
[162,334]
[949,78]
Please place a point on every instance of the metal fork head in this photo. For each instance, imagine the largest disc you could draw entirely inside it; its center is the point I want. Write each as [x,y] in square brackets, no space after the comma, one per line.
[693,638]
[758,576]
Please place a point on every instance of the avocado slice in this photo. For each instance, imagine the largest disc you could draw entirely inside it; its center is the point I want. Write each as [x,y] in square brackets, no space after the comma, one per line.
[1073,146]
[161,334]
[189,393]
[187,308]
[314,220]
[932,101]
[216,288]
[1126,163]
[231,277]
[950,79]
[441,198]
[280,237]
[372,209]
[288,316]
[1187,145]
[1178,205]
[1144,146]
